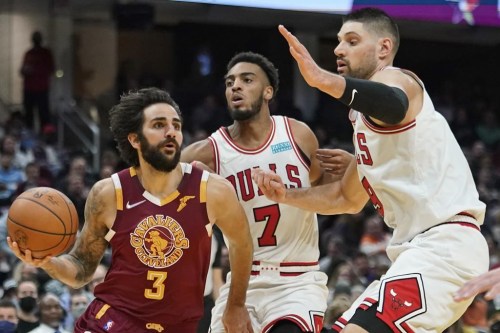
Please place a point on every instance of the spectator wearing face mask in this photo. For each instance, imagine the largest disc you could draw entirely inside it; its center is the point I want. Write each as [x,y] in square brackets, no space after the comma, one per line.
[27,295]
[8,316]
[51,315]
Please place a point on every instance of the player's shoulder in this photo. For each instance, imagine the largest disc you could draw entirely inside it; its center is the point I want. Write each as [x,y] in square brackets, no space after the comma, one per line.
[103,189]
[198,151]
[218,185]
[302,134]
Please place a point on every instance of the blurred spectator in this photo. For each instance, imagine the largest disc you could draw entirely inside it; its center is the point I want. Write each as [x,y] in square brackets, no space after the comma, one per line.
[24,271]
[37,69]
[27,295]
[10,291]
[8,316]
[462,128]
[374,241]
[475,318]
[488,129]
[78,166]
[11,145]
[32,179]
[99,275]
[79,302]
[77,191]
[10,178]
[51,315]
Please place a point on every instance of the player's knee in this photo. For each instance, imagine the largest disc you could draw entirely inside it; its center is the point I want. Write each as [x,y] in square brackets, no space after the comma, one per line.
[285,326]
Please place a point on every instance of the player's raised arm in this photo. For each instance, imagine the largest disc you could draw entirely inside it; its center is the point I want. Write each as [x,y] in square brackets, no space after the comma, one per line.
[225,210]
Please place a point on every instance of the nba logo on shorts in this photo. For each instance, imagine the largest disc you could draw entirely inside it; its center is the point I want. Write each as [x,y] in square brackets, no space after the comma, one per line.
[108,325]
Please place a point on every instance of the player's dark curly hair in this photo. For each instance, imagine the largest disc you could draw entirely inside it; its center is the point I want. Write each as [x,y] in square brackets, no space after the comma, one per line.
[377,21]
[128,117]
[261,61]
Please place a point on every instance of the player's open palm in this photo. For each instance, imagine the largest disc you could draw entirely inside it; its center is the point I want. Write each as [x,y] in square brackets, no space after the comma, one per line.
[237,320]
[270,184]
[307,66]
[488,282]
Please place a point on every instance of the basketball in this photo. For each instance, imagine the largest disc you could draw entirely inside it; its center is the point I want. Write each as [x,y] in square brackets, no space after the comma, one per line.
[43,220]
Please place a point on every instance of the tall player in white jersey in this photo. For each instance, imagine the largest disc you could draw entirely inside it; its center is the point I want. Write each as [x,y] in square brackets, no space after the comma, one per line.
[287,292]
[410,166]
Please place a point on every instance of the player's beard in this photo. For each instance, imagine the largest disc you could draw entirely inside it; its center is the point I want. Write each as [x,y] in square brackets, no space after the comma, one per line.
[157,159]
[365,71]
[246,114]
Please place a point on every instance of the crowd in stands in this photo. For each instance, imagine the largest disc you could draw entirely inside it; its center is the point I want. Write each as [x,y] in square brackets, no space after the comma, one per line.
[352,246]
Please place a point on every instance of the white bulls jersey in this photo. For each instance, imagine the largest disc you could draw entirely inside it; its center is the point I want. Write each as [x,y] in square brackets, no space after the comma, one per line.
[280,233]
[416,174]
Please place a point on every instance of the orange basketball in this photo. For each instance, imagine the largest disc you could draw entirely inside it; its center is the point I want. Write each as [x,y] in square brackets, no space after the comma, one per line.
[43,220]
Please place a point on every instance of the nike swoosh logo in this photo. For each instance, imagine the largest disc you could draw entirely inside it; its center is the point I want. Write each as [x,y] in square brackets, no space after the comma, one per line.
[354,91]
[130,206]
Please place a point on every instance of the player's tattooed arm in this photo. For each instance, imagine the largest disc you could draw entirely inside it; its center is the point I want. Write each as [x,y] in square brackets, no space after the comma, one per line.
[77,268]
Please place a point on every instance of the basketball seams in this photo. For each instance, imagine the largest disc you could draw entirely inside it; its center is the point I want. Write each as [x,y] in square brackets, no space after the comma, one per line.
[38,220]
[42,204]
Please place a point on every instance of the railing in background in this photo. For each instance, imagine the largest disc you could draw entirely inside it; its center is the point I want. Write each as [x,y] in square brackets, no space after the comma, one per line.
[82,127]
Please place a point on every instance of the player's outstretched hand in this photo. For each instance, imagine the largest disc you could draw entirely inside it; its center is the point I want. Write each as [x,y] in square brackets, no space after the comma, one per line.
[307,66]
[488,282]
[236,320]
[334,161]
[26,256]
[270,184]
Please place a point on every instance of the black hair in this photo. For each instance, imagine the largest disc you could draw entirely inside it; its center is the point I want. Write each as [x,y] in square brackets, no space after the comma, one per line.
[378,21]
[128,117]
[258,59]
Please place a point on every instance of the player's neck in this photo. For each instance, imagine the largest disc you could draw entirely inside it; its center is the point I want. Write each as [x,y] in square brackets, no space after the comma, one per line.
[159,183]
[252,133]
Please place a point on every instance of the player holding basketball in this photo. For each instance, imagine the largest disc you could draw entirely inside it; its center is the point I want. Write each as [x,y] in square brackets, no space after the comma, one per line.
[157,216]
[287,292]
[413,170]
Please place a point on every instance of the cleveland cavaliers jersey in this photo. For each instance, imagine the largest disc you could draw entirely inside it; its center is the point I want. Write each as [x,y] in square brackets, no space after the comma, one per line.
[415,174]
[280,233]
[160,251]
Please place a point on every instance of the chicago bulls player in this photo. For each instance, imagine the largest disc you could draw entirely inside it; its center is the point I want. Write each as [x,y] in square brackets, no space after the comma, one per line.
[287,293]
[157,216]
[411,168]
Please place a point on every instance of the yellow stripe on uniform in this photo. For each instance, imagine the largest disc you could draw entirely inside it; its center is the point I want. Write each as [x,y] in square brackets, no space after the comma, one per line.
[101,312]
[118,191]
[203,186]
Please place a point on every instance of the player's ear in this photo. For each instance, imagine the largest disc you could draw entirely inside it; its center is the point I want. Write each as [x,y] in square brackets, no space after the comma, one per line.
[133,138]
[385,47]
[268,93]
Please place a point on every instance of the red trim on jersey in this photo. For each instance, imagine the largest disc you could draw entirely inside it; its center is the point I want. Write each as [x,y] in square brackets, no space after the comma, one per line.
[388,130]
[465,224]
[339,324]
[301,322]
[225,135]
[467,214]
[294,145]
[215,150]
[299,263]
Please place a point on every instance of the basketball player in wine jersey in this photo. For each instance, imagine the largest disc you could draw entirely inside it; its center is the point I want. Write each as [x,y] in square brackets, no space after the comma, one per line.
[157,216]
[287,293]
[410,166]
